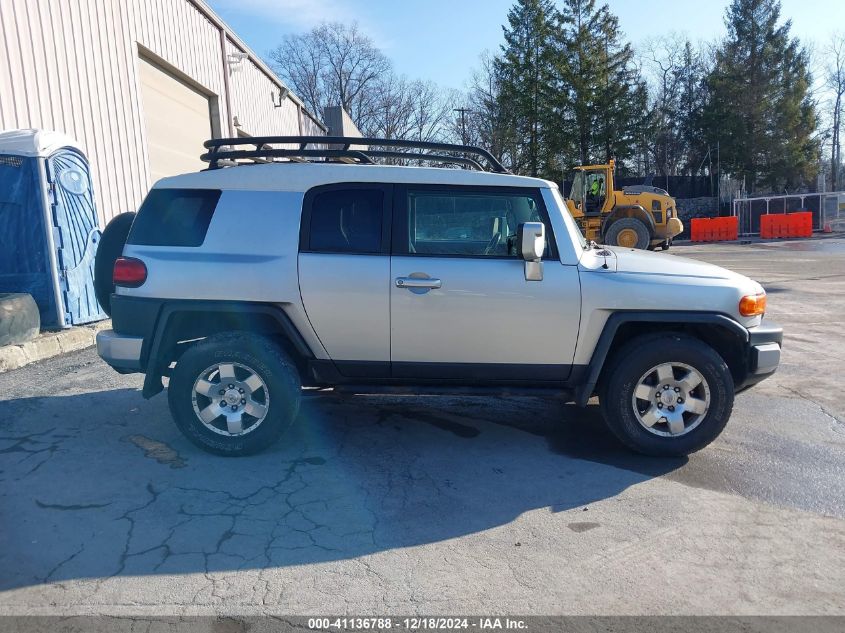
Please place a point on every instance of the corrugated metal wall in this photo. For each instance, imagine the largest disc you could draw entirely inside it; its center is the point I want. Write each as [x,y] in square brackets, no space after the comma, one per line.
[72,66]
[253,100]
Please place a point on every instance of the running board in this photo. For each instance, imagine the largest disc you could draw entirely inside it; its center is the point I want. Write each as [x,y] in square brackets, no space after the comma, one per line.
[445,390]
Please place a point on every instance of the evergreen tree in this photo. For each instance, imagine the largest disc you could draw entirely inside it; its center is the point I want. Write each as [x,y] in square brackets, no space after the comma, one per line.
[759,105]
[524,80]
[602,98]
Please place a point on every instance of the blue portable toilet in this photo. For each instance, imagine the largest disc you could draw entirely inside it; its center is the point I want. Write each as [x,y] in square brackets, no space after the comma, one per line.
[49,228]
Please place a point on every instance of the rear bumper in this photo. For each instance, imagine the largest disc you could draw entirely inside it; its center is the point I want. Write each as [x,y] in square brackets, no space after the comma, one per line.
[119,350]
[764,347]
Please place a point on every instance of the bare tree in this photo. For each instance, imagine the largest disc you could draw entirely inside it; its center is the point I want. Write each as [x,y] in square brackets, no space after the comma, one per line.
[333,64]
[835,84]
[486,124]
[663,57]
[392,108]
[432,110]
[417,110]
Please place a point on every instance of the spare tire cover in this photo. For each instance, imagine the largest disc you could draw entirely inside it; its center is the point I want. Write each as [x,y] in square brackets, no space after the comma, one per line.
[110,248]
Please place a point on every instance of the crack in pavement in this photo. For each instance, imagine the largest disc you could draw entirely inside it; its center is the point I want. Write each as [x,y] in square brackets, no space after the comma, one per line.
[57,506]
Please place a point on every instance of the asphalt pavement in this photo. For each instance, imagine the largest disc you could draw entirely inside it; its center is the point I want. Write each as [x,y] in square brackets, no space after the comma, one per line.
[451,505]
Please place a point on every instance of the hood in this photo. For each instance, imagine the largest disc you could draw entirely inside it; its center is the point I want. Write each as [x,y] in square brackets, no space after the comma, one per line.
[666,266]
[630,260]
[616,278]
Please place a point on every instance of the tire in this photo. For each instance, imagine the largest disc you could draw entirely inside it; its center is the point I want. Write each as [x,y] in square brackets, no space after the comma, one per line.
[633,362]
[110,248]
[20,320]
[624,226]
[279,393]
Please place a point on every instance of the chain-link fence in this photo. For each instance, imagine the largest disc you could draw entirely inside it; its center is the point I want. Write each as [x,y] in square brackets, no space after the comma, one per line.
[828,210]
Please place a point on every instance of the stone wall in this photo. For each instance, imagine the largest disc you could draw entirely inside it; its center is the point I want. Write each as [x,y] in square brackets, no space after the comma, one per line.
[689,208]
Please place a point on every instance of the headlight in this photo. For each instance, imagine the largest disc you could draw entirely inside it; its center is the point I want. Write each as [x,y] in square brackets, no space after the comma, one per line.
[752,305]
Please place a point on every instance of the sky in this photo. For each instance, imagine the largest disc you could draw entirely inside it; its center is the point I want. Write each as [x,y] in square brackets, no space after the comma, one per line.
[441,40]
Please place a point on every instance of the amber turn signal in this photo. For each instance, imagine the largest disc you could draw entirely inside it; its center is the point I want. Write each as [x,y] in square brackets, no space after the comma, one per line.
[752,305]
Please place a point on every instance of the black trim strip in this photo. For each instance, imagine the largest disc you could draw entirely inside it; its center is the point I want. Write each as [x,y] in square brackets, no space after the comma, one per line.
[480,372]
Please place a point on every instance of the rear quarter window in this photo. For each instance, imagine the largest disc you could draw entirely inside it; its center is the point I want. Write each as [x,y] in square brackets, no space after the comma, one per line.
[174,217]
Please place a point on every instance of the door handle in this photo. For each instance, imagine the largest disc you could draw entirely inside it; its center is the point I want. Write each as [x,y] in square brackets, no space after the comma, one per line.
[418,282]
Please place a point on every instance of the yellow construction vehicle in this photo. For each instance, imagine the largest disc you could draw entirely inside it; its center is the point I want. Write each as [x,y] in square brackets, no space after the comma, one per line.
[635,217]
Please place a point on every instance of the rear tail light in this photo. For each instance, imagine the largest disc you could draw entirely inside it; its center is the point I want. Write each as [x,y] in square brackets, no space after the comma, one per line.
[752,305]
[129,272]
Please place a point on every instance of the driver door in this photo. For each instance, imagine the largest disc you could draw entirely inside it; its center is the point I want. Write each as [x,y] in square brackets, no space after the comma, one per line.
[461,308]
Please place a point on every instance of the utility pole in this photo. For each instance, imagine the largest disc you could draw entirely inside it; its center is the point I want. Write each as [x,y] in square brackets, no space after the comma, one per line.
[463,112]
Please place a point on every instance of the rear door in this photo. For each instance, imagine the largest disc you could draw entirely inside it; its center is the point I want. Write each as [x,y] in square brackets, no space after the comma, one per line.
[344,274]
[460,305]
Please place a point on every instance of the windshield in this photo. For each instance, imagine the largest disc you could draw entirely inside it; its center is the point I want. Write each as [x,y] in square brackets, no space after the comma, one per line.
[577,190]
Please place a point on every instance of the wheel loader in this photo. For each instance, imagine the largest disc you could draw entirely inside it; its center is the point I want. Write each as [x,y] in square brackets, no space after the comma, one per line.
[640,216]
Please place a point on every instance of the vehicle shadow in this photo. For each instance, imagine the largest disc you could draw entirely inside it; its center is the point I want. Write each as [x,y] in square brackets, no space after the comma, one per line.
[102,484]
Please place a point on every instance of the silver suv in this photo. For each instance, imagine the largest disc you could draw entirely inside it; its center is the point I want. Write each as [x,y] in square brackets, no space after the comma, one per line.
[281,269]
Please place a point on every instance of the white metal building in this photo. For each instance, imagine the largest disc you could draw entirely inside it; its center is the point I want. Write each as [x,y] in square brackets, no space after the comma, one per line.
[139,83]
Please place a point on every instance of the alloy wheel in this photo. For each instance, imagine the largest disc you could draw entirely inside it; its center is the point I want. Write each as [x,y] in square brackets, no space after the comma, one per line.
[230,399]
[671,399]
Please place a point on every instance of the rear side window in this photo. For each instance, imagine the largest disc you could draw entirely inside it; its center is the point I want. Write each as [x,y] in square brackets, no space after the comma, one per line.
[174,217]
[346,221]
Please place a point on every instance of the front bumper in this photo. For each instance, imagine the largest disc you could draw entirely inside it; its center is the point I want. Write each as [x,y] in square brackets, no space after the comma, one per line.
[119,350]
[672,228]
[763,354]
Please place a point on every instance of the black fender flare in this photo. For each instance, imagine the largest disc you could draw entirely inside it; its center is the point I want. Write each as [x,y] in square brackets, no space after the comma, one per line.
[161,339]
[617,319]
[639,212]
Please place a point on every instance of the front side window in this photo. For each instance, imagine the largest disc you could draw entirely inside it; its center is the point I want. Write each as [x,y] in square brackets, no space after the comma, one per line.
[346,221]
[467,223]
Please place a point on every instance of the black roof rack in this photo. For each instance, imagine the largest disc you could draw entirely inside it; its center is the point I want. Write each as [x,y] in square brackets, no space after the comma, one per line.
[223,149]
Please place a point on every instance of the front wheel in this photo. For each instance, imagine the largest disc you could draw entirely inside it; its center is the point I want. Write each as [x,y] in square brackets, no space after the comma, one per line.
[628,233]
[234,393]
[667,395]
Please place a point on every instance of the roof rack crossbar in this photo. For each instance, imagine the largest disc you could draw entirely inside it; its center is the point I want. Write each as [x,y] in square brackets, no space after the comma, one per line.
[296,155]
[437,158]
[214,157]
[219,149]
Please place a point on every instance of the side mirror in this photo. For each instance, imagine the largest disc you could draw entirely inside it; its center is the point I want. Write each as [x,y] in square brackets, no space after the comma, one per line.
[531,237]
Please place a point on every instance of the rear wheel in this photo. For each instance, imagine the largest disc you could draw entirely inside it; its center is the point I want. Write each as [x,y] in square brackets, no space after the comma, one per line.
[667,395]
[234,393]
[628,233]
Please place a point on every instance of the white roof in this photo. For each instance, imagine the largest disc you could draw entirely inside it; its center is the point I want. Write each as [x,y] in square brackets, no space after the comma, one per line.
[303,176]
[34,142]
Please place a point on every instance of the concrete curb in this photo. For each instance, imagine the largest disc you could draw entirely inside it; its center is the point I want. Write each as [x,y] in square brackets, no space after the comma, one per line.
[49,344]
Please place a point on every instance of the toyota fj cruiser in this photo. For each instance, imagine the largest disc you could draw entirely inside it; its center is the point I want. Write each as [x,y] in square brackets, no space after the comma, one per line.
[303,263]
